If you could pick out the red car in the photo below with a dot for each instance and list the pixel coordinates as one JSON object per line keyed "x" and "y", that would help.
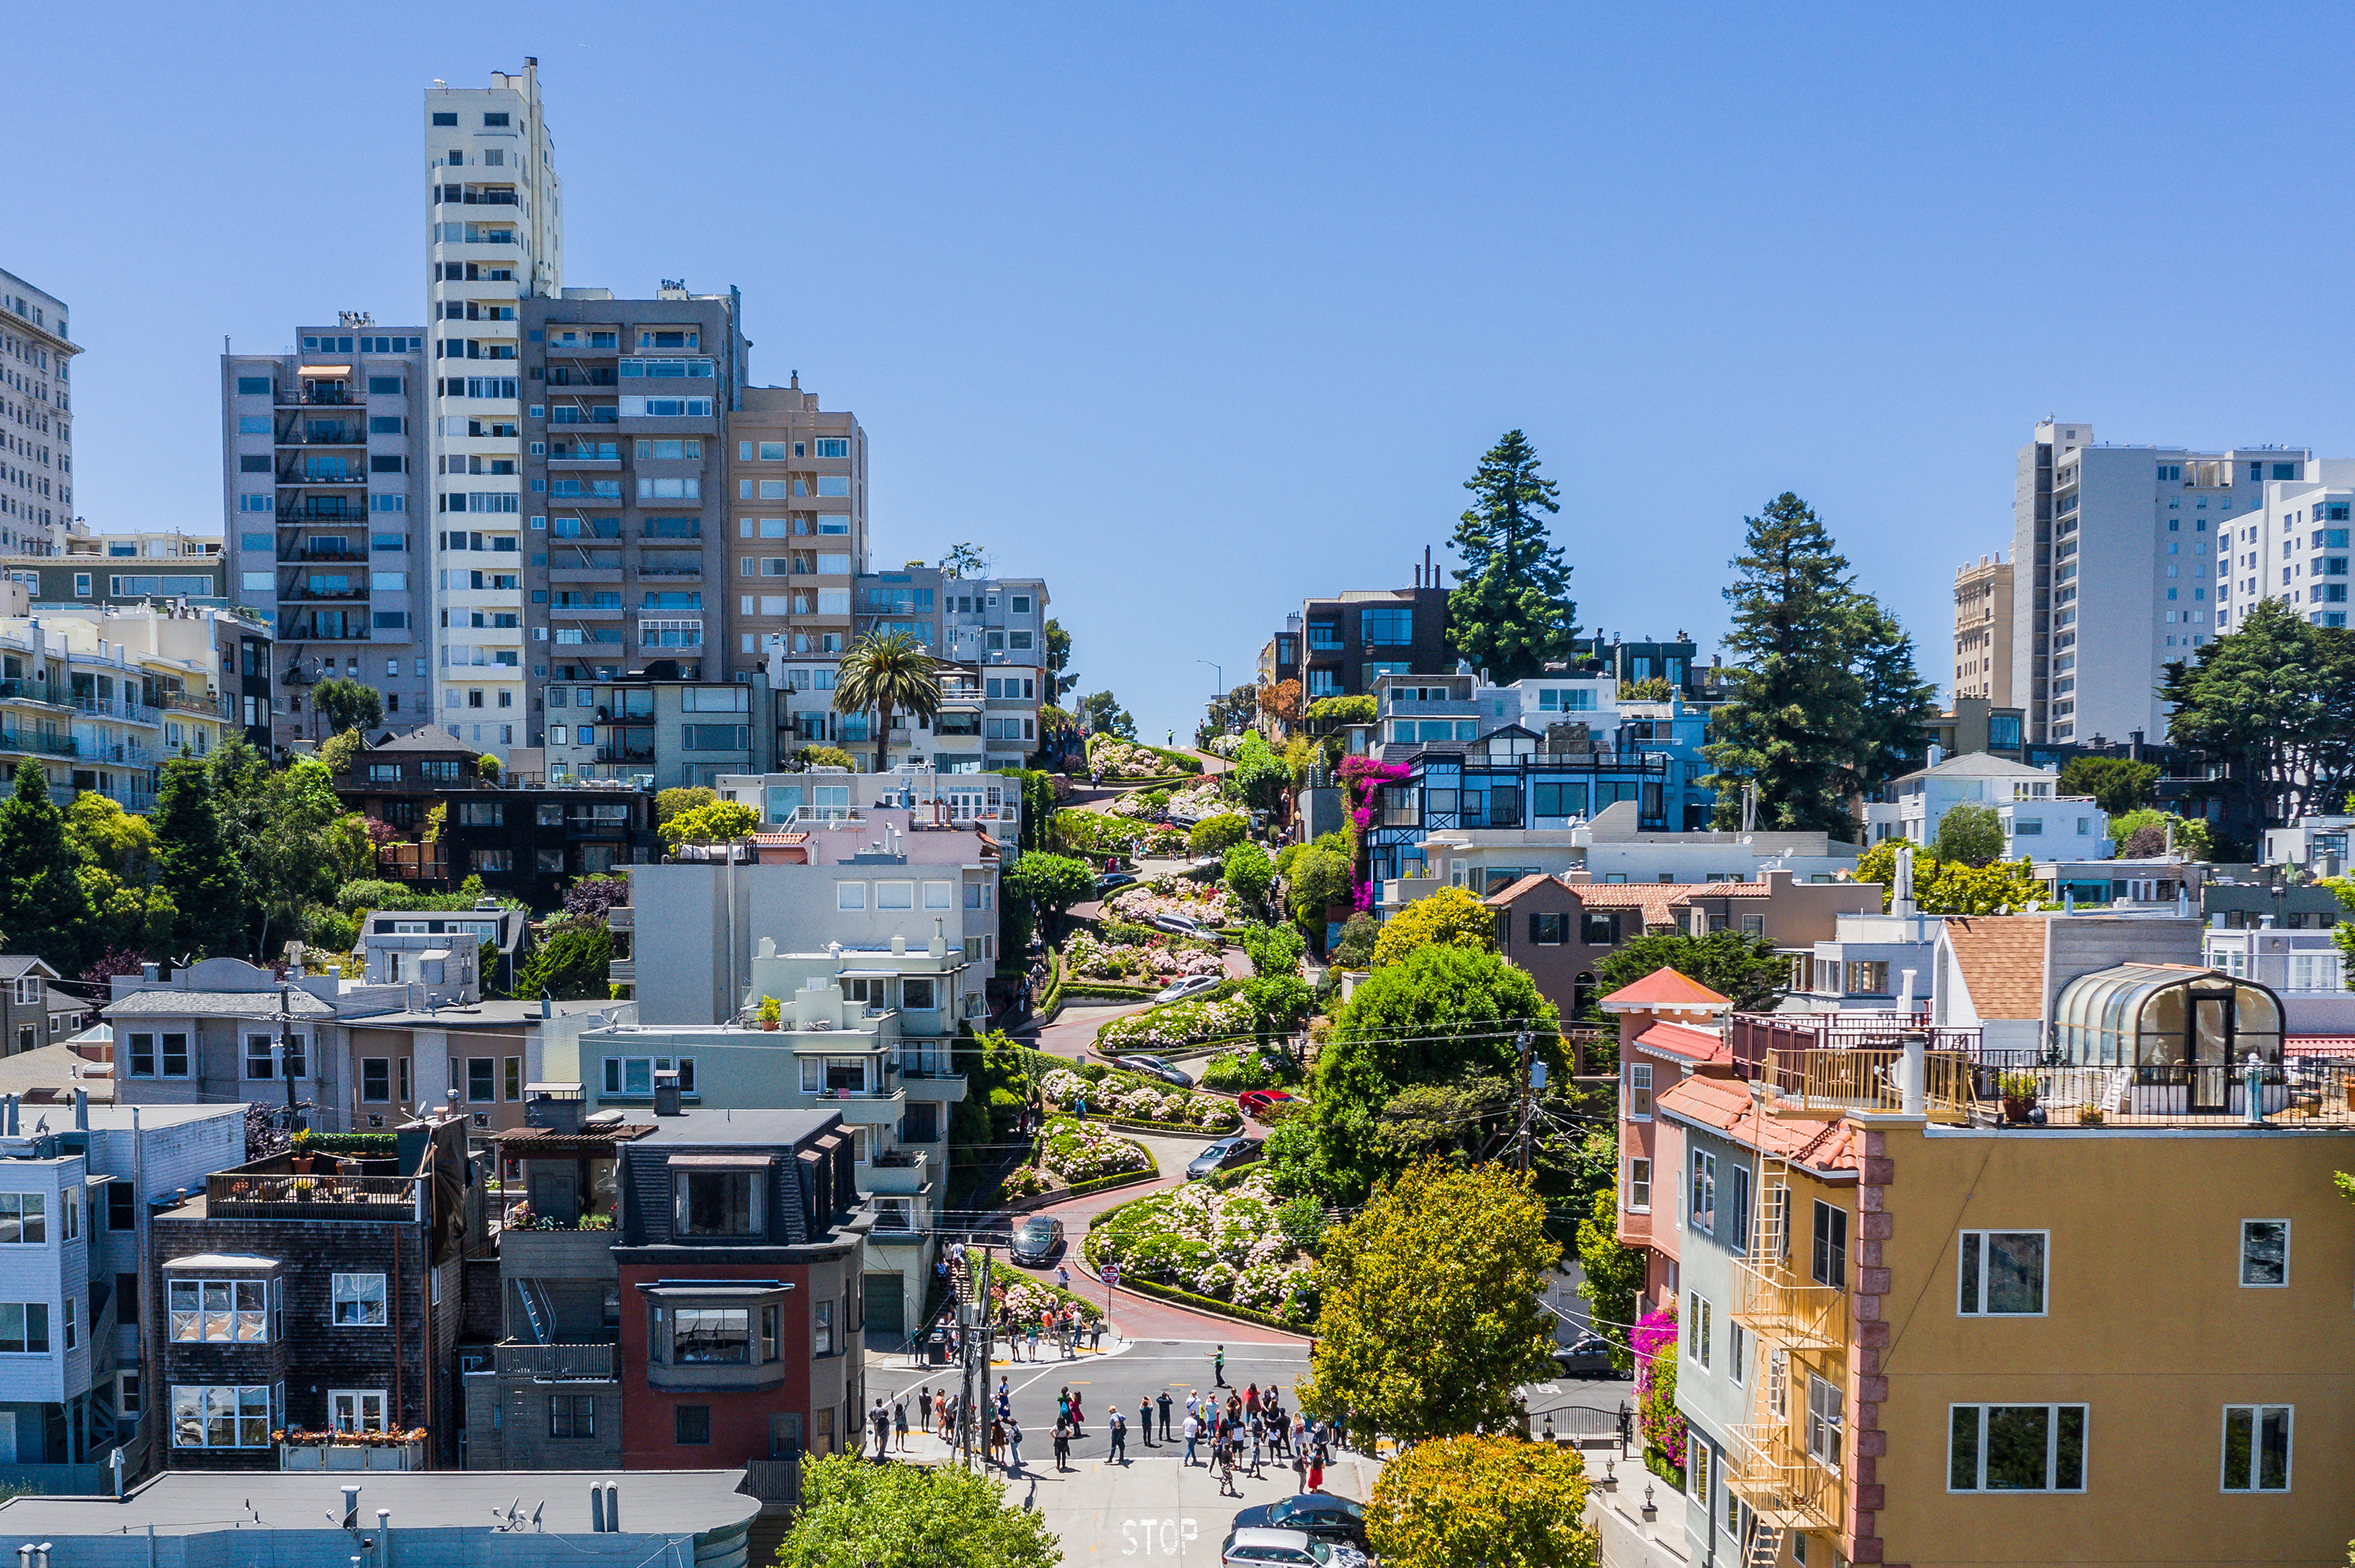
{"x": 1255, "y": 1102}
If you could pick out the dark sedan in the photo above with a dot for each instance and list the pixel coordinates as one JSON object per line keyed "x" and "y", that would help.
{"x": 1112, "y": 880}
{"x": 1223, "y": 1155}
{"x": 1036, "y": 1239}
{"x": 1157, "y": 1069}
{"x": 1325, "y": 1516}
{"x": 1588, "y": 1355}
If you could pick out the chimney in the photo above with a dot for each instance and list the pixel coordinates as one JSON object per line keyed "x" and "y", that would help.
{"x": 666, "y": 1092}
{"x": 9, "y": 1103}
{"x": 81, "y": 1110}
{"x": 150, "y": 972}
{"x": 939, "y": 944}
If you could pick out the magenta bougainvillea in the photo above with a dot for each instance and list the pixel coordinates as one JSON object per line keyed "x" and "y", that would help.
{"x": 1654, "y": 1345}
{"x": 1361, "y": 778}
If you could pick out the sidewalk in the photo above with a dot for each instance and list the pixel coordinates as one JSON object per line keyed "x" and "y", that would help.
{"x": 1628, "y": 1539}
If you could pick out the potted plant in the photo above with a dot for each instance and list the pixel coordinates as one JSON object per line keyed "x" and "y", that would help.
{"x": 2017, "y": 1092}
{"x": 2089, "y": 1115}
{"x": 772, "y": 1011}
{"x": 303, "y": 1158}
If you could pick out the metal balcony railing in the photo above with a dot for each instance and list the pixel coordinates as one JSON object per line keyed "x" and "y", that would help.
{"x": 325, "y": 396}
{"x": 1784, "y": 1484}
{"x": 556, "y": 1363}
{"x": 1777, "y": 1307}
{"x": 268, "y": 1195}
{"x": 35, "y": 741}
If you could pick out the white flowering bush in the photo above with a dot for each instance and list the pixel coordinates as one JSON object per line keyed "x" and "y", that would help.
{"x": 1224, "y": 745}
{"x": 1224, "y": 1244}
{"x": 1176, "y": 1026}
{"x": 1026, "y": 1298}
{"x": 1203, "y": 901}
{"x": 1083, "y": 1152}
{"x": 1109, "y": 757}
{"x": 1197, "y": 801}
{"x": 1144, "y": 963}
{"x": 1125, "y": 1098}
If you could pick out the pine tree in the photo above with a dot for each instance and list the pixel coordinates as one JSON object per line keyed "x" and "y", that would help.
{"x": 44, "y": 908}
{"x": 1890, "y": 737}
{"x": 1513, "y": 610}
{"x": 203, "y": 873}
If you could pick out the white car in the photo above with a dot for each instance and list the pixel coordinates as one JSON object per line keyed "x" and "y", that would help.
{"x": 1287, "y": 1549}
{"x": 1192, "y": 985}
{"x": 1180, "y": 926}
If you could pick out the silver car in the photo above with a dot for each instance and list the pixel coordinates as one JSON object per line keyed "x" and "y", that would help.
{"x": 1192, "y": 985}
{"x": 1288, "y": 1549}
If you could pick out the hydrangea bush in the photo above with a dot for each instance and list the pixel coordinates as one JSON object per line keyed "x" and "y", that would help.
{"x": 1109, "y": 756}
{"x": 1026, "y": 1298}
{"x": 1225, "y": 1244}
{"x": 1176, "y": 1026}
{"x": 1083, "y": 1152}
{"x": 1144, "y": 963}
{"x": 1204, "y": 901}
{"x": 1135, "y": 1099}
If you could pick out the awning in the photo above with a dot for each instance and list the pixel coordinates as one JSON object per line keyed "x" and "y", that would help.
{"x": 720, "y": 1161}
{"x": 326, "y": 370}
{"x": 218, "y": 1260}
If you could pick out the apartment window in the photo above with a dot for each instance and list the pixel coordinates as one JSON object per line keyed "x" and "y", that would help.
{"x": 1699, "y": 1319}
{"x": 358, "y": 1301}
{"x": 217, "y": 1311}
{"x": 1778, "y": 1383}
{"x": 822, "y": 1328}
{"x": 260, "y": 1058}
{"x": 355, "y": 1409}
{"x": 2265, "y": 1253}
{"x": 1639, "y": 1091}
{"x": 481, "y": 1079}
{"x": 1697, "y": 1461}
{"x": 716, "y": 1203}
{"x": 1830, "y": 1260}
{"x": 1702, "y": 1212}
{"x": 2003, "y": 1273}
{"x": 710, "y": 1336}
{"x": 230, "y": 1417}
{"x": 832, "y": 446}
{"x": 572, "y": 1416}
{"x": 121, "y": 1206}
{"x": 636, "y": 1074}
{"x": 769, "y": 1316}
{"x": 1824, "y": 1420}
{"x": 126, "y": 1392}
{"x": 2257, "y": 1447}
{"x": 850, "y": 895}
{"x": 1602, "y": 930}
{"x": 2015, "y": 1448}
{"x": 1737, "y": 1208}
{"x": 692, "y": 1424}
{"x": 23, "y": 1219}
{"x": 1639, "y": 1186}
{"x": 1549, "y": 930}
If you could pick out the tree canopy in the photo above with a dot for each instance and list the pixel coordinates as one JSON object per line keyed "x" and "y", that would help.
{"x": 1955, "y": 888}
{"x": 1100, "y": 712}
{"x": 1611, "y": 1275}
{"x": 859, "y": 1515}
{"x": 570, "y": 966}
{"x": 1512, "y": 611}
{"x": 1825, "y": 703}
{"x": 1463, "y": 1256}
{"x": 670, "y": 803}
{"x": 1749, "y": 969}
{"x": 888, "y": 674}
{"x": 1213, "y": 835}
{"x": 43, "y": 906}
{"x": 1452, "y": 918}
{"x": 719, "y": 821}
{"x": 347, "y": 704}
{"x": 1248, "y": 873}
{"x": 200, "y": 869}
{"x": 1971, "y": 832}
{"x": 1457, "y": 1502}
{"x": 2116, "y": 785}
{"x": 2142, "y": 835}
{"x": 1051, "y": 884}
{"x": 2273, "y": 701}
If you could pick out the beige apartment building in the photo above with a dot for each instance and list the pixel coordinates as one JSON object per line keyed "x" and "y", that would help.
{"x": 1983, "y": 630}
{"x": 797, "y": 535}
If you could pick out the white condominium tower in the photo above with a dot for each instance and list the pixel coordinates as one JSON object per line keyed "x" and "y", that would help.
{"x": 2124, "y": 562}
{"x": 496, "y": 235}
{"x": 36, "y": 419}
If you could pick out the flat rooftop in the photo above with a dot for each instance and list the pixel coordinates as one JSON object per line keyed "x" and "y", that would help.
{"x": 190, "y": 1502}
{"x": 768, "y": 1129}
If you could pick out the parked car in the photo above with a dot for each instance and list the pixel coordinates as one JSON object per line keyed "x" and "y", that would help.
{"x": 1192, "y": 985}
{"x": 1223, "y": 1155}
{"x": 1036, "y": 1241}
{"x": 1288, "y": 1549}
{"x": 1588, "y": 1355}
{"x": 1181, "y": 925}
{"x": 1320, "y": 1514}
{"x": 1111, "y": 880}
{"x": 1256, "y": 1102}
{"x": 1157, "y": 1069}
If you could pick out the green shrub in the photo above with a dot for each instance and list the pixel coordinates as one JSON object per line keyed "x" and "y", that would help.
{"x": 1273, "y": 949}
{"x": 333, "y": 931}
{"x": 1213, "y": 835}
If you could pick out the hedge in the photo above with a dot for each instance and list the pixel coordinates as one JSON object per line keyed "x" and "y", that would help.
{"x": 1176, "y": 1129}
{"x": 1104, "y": 989}
{"x": 368, "y": 1145}
{"x": 1104, "y": 1183}
{"x": 1207, "y": 1304}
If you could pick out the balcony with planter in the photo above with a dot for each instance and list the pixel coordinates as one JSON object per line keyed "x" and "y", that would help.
{"x": 352, "y": 1450}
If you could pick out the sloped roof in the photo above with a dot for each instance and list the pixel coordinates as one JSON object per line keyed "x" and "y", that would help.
{"x": 1663, "y": 988}
{"x": 2002, "y": 960}
{"x": 15, "y": 966}
{"x": 1659, "y": 901}
{"x": 1724, "y": 1105}
{"x": 1685, "y": 1044}
{"x": 426, "y": 737}
{"x": 1504, "y": 896}
{"x": 1977, "y": 764}
{"x": 166, "y": 1002}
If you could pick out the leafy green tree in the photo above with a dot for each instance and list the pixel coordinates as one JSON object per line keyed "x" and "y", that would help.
{"x": 718, "y": 823}
{"x": 1248, "y": 873}
{"x": 2269, "y": 701}
{"x": 1215, "y": 835}
{"x": 2116, "y": 785}
{"x": 1059, "y": 660}
{"x": 1610, "y": 1275}
{"x": 1319, "y": 879}
{"x": 340, "y": 751}
{"x": 571, "y": 966}
{"x": 1100, "y": 712}
{"x": 1279, "y": 1003}
{"x": 859, "y": 1515}
{"x": 129, "y": 907}
{"x": 1462, "y": 1256}
{"x": 1355, "y": 950}
{"x": 1256, "y": 778}
{"x": 670, "y": 803}
{"x": 1972, "y": 833}
{"x": 1823, "y": 706}
{"x": 43, "y": 909}
{"x": 1495, "y": 1498}
{"x": 1331, "y": 713}
{"x": 1451, "y": 917}
{"x": 1748, "y": 970}
{"x": 347, "y": 704}
{"x": 1273, "y": 949}
{"x": 307, "y": 845}
{"x": 821, "y": 756}
{"x": 965, "y": 560}
{"x": 2142, "y": 834}
{"x": 888, "y": 674}
{"x": 1512, "y": 610}
{"x": 1952, "y": 888}
{"x": 1233, "y": 711}
{"x": 1050, "y": 885}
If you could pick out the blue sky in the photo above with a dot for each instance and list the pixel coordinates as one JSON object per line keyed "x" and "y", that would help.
{"x": 1201, "y": 310}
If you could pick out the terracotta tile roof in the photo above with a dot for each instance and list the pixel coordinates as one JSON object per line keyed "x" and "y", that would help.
{"x": 1659, "y": 901}
{"x": 2318, "y": 1045}
{"x": 1663, "y": 988}
{"x": 1685, "y": 1044}
{"x": 2002, "y": 960}
{"x": 1724, "y": 1106}
{"x": 1504, "y": 897}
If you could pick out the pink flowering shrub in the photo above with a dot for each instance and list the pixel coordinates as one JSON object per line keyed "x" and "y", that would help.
{"x": 1654, "y": 1345}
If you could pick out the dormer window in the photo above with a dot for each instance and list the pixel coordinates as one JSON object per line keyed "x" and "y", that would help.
{"x": 716, "y": 1202}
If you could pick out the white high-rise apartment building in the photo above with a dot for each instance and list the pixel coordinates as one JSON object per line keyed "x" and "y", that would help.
{"x": 496, "y": 228}
{"x": 36, "y": 419}
{"x": 2294, "y": 549}
{"x": 2123, "y": 562}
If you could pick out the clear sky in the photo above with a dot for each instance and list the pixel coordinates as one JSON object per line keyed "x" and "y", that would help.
{"x": 1199, "y": 310}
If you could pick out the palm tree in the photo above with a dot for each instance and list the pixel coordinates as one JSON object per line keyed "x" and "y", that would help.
{"x": 888, "y": 674}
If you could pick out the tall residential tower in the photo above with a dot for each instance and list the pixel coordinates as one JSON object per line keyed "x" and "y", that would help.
{"x": 36, "y": 419}
{"x": 495, "y": 229}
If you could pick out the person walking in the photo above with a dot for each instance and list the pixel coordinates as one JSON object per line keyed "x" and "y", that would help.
{"x": 1062, "y": 1444}
{"x": 1145, "y": 1419}
{"x": 1063, "y": 1275}
{"x": 1222, "y": 1462}
{"x": 1193, "y": 1435}
{"x": 1219, "y": 1365}
{"x": 1165, "y": 1401}
{"x": 1258, "y": 1433}
{"x": 1079, "y": 1415}
{"x": 1119, "y": 1455}
{"x": 900, "y": 1421}
{"x": 1315, "y": 1474}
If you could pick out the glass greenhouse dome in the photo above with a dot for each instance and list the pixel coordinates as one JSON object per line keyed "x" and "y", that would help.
{"x": 2185, "y": 1033}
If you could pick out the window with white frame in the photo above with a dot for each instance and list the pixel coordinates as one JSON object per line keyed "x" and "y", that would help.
{"x": 850, "y": 895}
{"x": 1702, "y": 1212}
{"x": 23, "y": 1219}
{"x": 217, "y": 1311}
{"x": 636, "y": 1074}
{"x": 2003, "y": 1274}
{"x": 355, "y": 1409}
{"x": 2015, "y": 1448}
{"x": 2264, "y": 1253}
{"x": 1698, "y": 1323}
{"x": 1639, "y": 1091}
{"x": 1696, "y": 1470}
{"x": 358, "y": 1301}
{"x": 1639, "y": 1186}
{"x": 1736, "y": 1231}
{"x": 1778, "y": 1383}
{"x": 2257, "y": 1447}
{"x": 230, "y": 1417}
{"x": 1823, "y": 1421}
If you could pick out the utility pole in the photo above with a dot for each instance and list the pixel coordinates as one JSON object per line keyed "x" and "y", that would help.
{"x": 1522, "y": 1041}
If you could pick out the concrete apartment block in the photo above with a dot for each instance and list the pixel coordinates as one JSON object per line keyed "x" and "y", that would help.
{"x": 2294, "y": 549}
{"x": 799, "y": 533}
{"x": 1983, "y": 612}
{"x": 324, "y": 504}
{"x": 36, "y": 418}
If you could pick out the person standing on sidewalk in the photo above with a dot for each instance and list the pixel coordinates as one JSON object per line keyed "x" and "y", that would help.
{"x": 1258, "y": 1433}
{"x": 1225, "y": 1468}
{"x": 900, "y": 1421}
{"x": 1119, "y": 1455}
{"x": 1062, "y": 1444}
{"x": 1014, "y": 1448}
